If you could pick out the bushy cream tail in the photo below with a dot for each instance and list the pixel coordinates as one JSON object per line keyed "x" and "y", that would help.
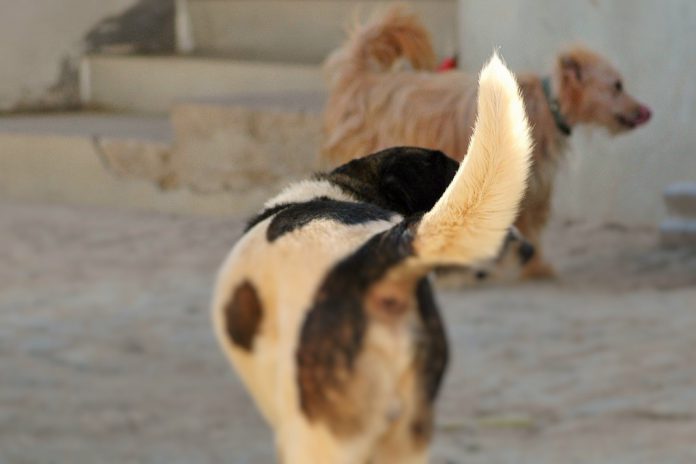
{"x": 469, "y": 221}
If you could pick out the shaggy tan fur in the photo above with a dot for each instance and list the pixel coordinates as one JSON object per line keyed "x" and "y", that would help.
{"x": 372, "y": 106}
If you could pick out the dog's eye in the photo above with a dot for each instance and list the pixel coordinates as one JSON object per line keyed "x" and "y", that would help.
{"x": 618, "y": 87}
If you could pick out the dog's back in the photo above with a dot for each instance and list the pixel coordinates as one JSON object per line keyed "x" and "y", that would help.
{"x": 324, "y": 306}
{"x": 372, "y": 106}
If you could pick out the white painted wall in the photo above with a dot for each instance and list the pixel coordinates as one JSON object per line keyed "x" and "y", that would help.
{"x": 653, "y": 43}
{"x": 299, "y": 31}
{"x": 35, "y": 36}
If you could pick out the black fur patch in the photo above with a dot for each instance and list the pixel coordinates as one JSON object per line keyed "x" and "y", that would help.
{"x": 407, "y": 180}
{"x": 243, "y": 315}
{"x": 432, "y": 349}
{"x": 266, "y": 213}
{"x": 298, "y": 215}
{"x": 332, "y": 335}
{"x": 432, "y": 354}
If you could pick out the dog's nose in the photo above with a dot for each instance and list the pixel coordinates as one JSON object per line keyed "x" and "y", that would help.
{"x": 526, "y": 251}
{"x": 643, "y": 114}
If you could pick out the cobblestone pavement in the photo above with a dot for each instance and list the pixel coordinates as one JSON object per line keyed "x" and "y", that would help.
{"x": 107, "y": 356}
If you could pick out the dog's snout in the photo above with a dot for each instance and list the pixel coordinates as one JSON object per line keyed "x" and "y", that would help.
{"x": 526, "y": 251}
{"x": 643, "y": 114}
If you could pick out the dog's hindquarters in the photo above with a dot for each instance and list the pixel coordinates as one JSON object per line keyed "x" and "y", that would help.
{"x": 373, "y": 301}
{"x": 328, "y": 320}
{"x": 264, "y": 291}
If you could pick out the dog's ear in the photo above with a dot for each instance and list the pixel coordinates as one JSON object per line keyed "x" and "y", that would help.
{"x": 571, "y": 69}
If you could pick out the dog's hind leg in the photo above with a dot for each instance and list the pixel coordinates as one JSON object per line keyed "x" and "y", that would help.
{"x": 411, "y": 456}
{"x": 302, "y": 442}
{"x": 408, "y": 441}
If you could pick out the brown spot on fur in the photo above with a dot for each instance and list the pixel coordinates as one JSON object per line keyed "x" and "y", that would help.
{"x": 243, "y": 315}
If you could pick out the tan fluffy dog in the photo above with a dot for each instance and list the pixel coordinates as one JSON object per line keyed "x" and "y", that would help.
{"x": 374, "y": 104}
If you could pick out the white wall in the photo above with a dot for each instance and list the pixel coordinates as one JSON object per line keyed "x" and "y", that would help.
{"x": 653, "y": 43}
{"x": 35, "y": 37}
{"x": 301, "y": 31}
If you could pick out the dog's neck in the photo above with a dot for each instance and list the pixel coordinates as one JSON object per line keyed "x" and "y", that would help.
{"x": 561, "y": 122}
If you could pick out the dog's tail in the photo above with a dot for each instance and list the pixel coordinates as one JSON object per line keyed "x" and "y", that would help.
{"x": 469, "y": 222}
{"x": 378, "y": 44}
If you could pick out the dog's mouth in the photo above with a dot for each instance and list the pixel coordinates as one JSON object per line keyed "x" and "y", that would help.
{"x": 625, "y": 122}
{"x": 639, "y": 117}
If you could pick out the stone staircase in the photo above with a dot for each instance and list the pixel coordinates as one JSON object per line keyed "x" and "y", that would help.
{"x": 207, "y": 157}
{"x": 216, "y": 128}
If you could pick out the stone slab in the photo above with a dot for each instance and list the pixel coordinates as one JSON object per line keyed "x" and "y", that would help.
{"x": 680, "y": 199}
{"x": 153, "y": 84}
{"x": 678, "y": 232}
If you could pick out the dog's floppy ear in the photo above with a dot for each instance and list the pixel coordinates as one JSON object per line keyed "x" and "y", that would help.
{"x": 571, "y": 69}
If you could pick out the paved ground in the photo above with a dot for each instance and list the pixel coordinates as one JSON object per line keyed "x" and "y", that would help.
{"x": 106, "y": 352}
{"x": 92, "y": 124}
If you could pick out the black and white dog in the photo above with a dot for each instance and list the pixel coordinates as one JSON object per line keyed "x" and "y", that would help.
{"x": 324, "y": 307}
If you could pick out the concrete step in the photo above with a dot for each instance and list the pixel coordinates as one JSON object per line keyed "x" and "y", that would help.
{"x": 680, "y": 199}
{"x": 311, "y": 102}
{"x": 152, "y": 84}
{"x": 678, "y": 232}
{"x": 100, "y": 159}
{"x": 301, "y": 31}
{"x": 86, "y": 124}
{"x": 129, "y": 146}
